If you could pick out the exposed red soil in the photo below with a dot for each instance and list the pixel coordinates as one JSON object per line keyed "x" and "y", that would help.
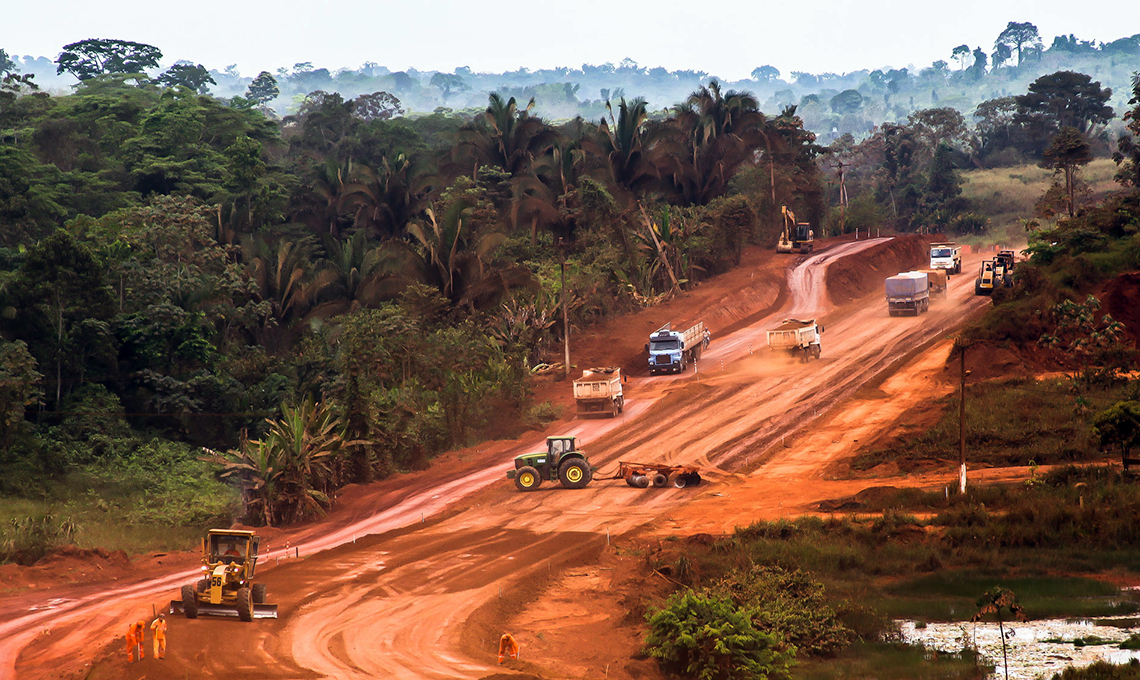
{"x": 1120, "y": 297}
{"x": 407, "y": 597}
{"x": 850, "y": 279}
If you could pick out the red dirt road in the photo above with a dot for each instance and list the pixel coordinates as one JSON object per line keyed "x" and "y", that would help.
{"x": 438, "y": 553}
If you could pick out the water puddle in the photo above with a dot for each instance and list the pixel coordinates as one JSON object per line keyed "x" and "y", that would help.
{"x": 1034, "y": 648}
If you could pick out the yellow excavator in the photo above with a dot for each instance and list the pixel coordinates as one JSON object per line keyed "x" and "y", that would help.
{"x": 229, "y": 557}
{"x": 795, "y": 235}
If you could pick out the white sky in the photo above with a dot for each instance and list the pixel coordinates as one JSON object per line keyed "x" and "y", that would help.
{"x": 727, "y": 38}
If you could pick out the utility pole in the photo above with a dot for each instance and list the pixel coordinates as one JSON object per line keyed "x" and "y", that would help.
{"x": 842, "y": 199}
{"x": 565, "y": 316}
{"x": 962, "y": 420}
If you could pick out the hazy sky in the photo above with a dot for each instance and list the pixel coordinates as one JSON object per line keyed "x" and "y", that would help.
{"x": 727, "y": 38}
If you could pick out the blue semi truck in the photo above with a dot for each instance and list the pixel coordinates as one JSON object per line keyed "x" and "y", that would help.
{"x": 671, "y": 351}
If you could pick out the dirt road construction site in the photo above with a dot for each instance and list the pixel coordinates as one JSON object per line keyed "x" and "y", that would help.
{"x": 418, "y": 576}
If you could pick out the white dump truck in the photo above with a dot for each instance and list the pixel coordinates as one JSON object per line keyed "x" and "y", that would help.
{"x": 908, "y": 293}
{"x": 797, "y": 336}
{"x": 671, "y": 351}
{"x": 598, "y": 392}
{"x": 946, "y": 256}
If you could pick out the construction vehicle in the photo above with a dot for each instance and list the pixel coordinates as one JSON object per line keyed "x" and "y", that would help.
{"x": 671, "y": 351}
{"x": 598, "y": 391}
{"x": 908, "y": 292}
{"x": 947, "y": 256}
{"x": 796, "y": 336}
{"x": 938, "y": 280}
{"x": 560, "y": 461}
{"x": 229, "y": 558}
{"x": 1003, "y": 266}
{"x": 795, "y": 235}
{"x": 987, "y": 276}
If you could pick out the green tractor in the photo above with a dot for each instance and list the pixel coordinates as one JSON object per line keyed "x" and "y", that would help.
{"x": 560, "y": 461}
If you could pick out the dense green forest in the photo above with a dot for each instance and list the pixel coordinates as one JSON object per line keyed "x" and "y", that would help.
{"x": 830, "y": 104}
{"x": 179, "y": 270}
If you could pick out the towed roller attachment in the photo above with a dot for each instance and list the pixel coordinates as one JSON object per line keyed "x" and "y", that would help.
{"x": 260, "y": 611}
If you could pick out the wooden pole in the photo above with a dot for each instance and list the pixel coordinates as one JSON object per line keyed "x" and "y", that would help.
{"x": 962, "y": 422}
{"x": 565, "y": 322}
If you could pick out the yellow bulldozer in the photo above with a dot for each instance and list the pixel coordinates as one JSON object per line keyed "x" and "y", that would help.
{"x": 229, "y": 558}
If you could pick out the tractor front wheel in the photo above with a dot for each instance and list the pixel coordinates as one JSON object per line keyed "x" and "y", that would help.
{"x": 527, "y": 478}
{"x": 574, "y": 474}
{"x": 189, "y": 602}
{"x": 244, "y": 604}
{"x": 258, "y": 592}
{"x": 660, "y": 480}
{"x": 638, "y": 481}
{"x": 203, "y": 585}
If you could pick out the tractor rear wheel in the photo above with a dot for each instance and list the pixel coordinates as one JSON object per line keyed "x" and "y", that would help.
{"x": 574, "y": 474}
{"x": 638, "y": 480}
{"x": 694, "y": 479}
{"x": 189, "y": 602}
{"x": 244, "y": 604}
{"x": 258, "y": 592}
{"x": 660, "y": 480}
{"x": 680, "y": 481}
{"x": 527, "y": 479}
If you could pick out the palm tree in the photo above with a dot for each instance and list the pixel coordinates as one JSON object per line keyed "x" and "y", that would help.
{"x": 257, "y": 468}
{"x": 719, "y": 132}
{"x": 632, "y": 149}
{"x": 318, "y": 202}
{"x": 281, "y": 272}
{"x": 383, "y": 200}
{"x": 457, "y": 262}
{"x": 505, "y": 137}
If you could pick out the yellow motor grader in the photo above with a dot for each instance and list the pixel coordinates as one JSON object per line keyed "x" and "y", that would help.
{"x": 229, "y": 558}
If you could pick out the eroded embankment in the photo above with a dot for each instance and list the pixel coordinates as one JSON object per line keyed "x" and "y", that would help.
{"x": 850, "y": 278}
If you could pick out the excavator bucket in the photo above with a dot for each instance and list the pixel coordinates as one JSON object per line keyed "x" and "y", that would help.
{"x": 260, "y": 611}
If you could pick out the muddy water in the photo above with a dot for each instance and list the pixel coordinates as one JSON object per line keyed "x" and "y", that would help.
{"x": 1031, "y": 646}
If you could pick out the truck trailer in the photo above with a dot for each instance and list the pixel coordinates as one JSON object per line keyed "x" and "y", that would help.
{"x": 598, "y": 392}
{"x": 671, "y": 351}
{"x": 908, "y": 293}
{"x": 796, "y": 336}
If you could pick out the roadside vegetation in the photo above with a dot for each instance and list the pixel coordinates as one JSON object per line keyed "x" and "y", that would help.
{"x": 830, "y": 588}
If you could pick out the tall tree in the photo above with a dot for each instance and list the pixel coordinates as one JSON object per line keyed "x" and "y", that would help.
{"x": 195, "y": 77}
{"x": 263, "y": 89}
{"x": 1127, "y": 154}
{"x": 1062, "y": 99}
{"x": 448, "y": 84}
{"x": 961, "y": 53}
{"x": 1067, "y": 152}
{"x": 1017, "y": 36}
{"x": 95, "y": 57}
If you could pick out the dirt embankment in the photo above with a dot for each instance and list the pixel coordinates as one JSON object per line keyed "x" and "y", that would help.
{"x": 1121, "y": 299}
{"x": 849, "y": 279}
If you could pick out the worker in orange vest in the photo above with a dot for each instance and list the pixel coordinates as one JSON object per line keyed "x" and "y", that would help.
{"x": 508, "y": 648}
{"x": 159, "y": 628}
{"x": 135, "y": 633}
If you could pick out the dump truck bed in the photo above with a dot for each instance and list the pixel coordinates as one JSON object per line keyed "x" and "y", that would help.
{"x": 792, "y": 333}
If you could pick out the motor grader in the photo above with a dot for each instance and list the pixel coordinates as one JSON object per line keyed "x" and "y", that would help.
{"x": 229, "y": 559}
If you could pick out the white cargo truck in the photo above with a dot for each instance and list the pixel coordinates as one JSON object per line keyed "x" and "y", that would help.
{"x": 946, "y": 256}
{"x": 598, "y": 392}
{"x": 797, "y": 336}
{"x": 908, "y": 293}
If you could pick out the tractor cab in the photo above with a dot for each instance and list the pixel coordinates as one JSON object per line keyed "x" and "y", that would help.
{"x": 557, "y": 446}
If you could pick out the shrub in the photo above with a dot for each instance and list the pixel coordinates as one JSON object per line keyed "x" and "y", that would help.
{"x": 704, "y": 636}
{"x": 1102, "y": 670}
{"x": 27, "y": 540}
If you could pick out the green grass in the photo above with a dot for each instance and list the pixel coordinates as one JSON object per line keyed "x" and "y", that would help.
{"x": 1006, "y": 195}
{"x": 891, "y": 661}
{"x": 143, "y": 496}
{"x": 1012, "y": 422}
